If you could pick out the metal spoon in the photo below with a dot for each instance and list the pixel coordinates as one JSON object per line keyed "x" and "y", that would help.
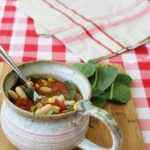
{"x": 12, "y": 64}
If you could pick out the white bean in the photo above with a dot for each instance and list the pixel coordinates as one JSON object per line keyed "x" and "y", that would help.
{"x": 20, "y": 92}
{"x": 60, "y": 98}
{"x": 13, "y": 94}
{"x": 67, "y": 102}
{"x": 44, "y": 109}
{"x": 45, "y": 89}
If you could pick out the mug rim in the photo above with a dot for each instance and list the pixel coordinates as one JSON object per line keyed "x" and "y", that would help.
{"x": 37, "y": 116}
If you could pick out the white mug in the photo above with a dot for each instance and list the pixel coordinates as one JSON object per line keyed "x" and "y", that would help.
{"x": 65, "y": 131}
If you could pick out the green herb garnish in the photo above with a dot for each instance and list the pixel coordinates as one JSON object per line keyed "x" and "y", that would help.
{"x": 29, "y": 92}
{"x": 72, "y": 89}
{"x": 70, "y": 108}
{"x": 50, "y": 112}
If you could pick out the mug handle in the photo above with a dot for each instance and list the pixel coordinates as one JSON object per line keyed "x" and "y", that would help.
{"x": 107, "y": 119}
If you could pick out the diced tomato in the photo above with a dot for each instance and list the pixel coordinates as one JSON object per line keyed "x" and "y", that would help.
{"x": 59, "y": 88}
{"x": 60, "y": 104}
{"x": 24, "y": 103}
{"x": 78, "y": 99}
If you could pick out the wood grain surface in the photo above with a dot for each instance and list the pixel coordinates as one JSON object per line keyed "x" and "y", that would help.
{"x": 124, "y": 114}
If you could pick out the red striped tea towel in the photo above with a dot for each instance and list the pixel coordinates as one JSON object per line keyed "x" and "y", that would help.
{"x": 92, "y": 29}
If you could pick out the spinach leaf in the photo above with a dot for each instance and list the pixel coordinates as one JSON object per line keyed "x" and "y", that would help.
{"x": 87, "y": 69}
{"x": 29, "y": 92}
{"x": 106, "y": 76}
{"x": 94, "y": 77}
{"x": 107, "y": 83}
{"x": 124, "y": 79}
{"x": 120, "y": 93}
{"x": 98, "y": 102}
{"x": 101, "y": 99}
{"x": 72, "y": 89}
{"x": 96, "y": 92}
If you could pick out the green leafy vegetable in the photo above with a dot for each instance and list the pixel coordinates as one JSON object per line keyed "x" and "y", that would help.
{"x": 106, "y": 76}
{"x": 72, "y": 89}
{"x": 120, "y": 93}
{"x": 97, "y": 101}
{"x": 50, "y": 112}
{"x": 124, "y": 79}
{"x": 96, "y": 92}
{"x": 101, "y": 99}
{"x": 29, "y": 92}
{"x": 93, "y": 79}
{"x": 107, "y": 83}
{"x": 87, "y": 69}
{"x": 70, "y": 108}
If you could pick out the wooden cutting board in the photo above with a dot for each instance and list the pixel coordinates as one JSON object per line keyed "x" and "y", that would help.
{"x": 124, "y": 114}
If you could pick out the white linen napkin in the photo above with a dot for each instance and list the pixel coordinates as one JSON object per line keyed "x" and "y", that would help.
{"x": 92, "y": 29}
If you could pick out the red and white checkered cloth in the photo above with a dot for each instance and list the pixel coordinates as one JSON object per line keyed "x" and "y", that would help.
{"x": 18, "y": 37}
{"x": 82, "y": 27}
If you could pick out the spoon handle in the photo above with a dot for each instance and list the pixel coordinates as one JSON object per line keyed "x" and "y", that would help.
{"x": 10, "y": 62}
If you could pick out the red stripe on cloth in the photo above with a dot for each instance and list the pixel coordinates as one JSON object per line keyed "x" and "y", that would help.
{"x": 78, "y": 24}
{"x": 31, "y": 33}
{"x": 58, "y": 51}
{"x": 6, "y": 34}
{"x": 144, "y": 64}
{"x": 104, "y": 27}
{"x": 141, "y": 50}
{"x": 147, "y": 146}
{"x": 57, "y": 42}
{"x": 140, "y": 102}
{"x": 128, "y": 19}
{"x": 148, "y": 99}
{"x": 117, "y": 59}
{"x": 137, "y": 82}
{"x": 93, "y": 23}
{"x": 146, "y": 82}
{"x": 10, "y": 3}
{"x": 145, "y": 124}
{"x": 8, "y": 20}
{"x": 147, "y": 91}
{"x": 113, "y": 24}
{"x": 10, "y": 8}
{"x": 30, "y": 49}
{"x": 121, "y": 12}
